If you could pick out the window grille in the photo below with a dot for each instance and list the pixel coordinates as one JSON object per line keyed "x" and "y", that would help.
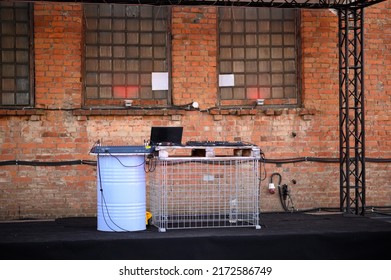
{"x": 124, "y": 44}
{"x": 15, "y": 55}
{"x": 259, "y": 46}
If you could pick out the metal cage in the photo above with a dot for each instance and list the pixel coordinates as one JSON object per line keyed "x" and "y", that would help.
{"x": 205, "y": 192}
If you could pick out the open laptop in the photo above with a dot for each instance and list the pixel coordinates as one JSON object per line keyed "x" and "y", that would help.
{"x": 166, "y": 136}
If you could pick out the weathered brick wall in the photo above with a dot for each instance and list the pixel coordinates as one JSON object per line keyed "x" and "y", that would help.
{"x": 194, "y": 55}
{"x": 378, "y": 101}
{"x": 55, "y": 134}
{"x": 58, "y": 47}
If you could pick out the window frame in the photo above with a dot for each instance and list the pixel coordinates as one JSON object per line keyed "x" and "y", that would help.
{"x": 31, "y": 67}
{"x": 270, "y": 102}
{"x": 140, "y": 101}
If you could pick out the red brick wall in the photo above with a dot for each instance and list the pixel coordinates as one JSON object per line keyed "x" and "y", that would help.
{"x": 57, "y": 135}
{"x": 58, "y": 46}
{"x": 194, "y": 55}
{"x": 378, "y": 101}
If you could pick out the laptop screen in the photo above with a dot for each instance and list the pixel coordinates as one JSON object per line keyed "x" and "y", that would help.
{"x": 170, "y": 136}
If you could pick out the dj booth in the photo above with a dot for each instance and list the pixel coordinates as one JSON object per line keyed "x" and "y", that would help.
{"x": 197, "y": 185}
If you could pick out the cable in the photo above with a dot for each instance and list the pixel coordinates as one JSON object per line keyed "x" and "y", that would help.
{"x": 264, "y": 160}
{"x": 371, "y": 209}
{"x": 315, "y": 209}
{"x": 379, "y": 160}
{"x": 284, "y": 193}
{"x": 279, "y": 178}
{"x": 262, "y": 166}
{"x": 381, "y": 210}
{"x": 120, "y": 162}
{"x": 47, "y": 163}
{"x": 150, "y": 162}
{"x": 322, "y": 160}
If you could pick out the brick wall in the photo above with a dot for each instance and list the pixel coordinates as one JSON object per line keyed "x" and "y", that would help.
{"x": 194, "y": 55}
{"x": 58, "y": 47}
{"x": 56, "y": 133}
{"x": 378, "y": 101}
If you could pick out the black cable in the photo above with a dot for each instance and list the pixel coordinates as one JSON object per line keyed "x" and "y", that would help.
{"x": 279, "y": 178}
{"x": 282, "y": 200}
{"x": 302, "y": 159}
{"x": 213, "y": 162}
{"x": 315, "y": 209}
{"x": 318, "y": 209}
{"x": 280, "y": 191}
{"x": 381, "y": 213}
{"x": 262, "y": 166}
{"x": 380, "y": 207}
{"x": 283, "y": 192}
{"x": 150, "y": 162}
{"x": 381, "y": 210}
{"x": 324, "y": 160}
{"x": 378, "y": 160}
{"x": 290, "y": 205}
{"x": 120, "y": 162}
{"x": 186, "y": 107}
{"x": 371, "y": 209}
{"x": 46, "y": 163}
{"x": 265, "y": 160}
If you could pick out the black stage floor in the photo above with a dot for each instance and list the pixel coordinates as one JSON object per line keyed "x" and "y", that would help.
{"x": 284, "y": 236}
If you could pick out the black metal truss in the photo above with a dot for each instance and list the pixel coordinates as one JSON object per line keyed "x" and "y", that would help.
{"x": 352, "y": 121}
{"x": 307, "y": 4}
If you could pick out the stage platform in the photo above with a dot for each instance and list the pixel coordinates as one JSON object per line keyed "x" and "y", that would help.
{"x": 284, "y": 236}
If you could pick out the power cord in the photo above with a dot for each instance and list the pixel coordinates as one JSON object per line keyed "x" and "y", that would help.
{"x": 284, "y": 193}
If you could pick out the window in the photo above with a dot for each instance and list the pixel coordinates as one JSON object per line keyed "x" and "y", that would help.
{"x": 259, "y": 46}
{"x": 124, "y": 45}
{"x": 16, "y": 88}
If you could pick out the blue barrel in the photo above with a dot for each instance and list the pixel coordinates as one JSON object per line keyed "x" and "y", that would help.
{"x": 121, "y": 193}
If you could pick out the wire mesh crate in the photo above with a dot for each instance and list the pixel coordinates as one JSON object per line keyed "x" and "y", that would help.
{"x": 194, "y": 192}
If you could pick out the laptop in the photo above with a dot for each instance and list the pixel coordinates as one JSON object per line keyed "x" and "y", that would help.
{"x": 166, "y": 136}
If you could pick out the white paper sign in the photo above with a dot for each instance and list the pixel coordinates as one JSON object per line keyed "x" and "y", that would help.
{"x": 226, "y": 80}
{"x": 159, "y": 80}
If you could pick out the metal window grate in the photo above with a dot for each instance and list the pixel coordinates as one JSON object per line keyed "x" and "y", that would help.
{"x": 259, "y": 46}
{"x": 15, "y": 54}
{"x": 124, "y": 44}
{"x": 205, "y": 193}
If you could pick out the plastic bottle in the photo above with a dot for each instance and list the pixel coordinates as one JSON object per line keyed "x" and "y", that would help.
{"x": 233, "y": 211}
